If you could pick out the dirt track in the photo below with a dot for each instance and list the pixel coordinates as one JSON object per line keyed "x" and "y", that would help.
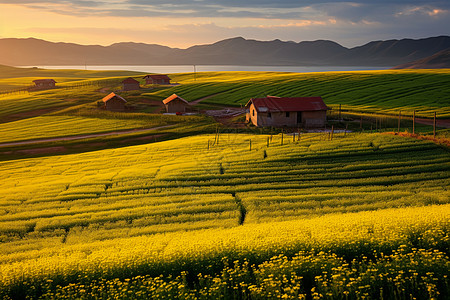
{"x": 439, "y": 123}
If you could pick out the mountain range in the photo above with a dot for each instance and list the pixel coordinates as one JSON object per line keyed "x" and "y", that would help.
{"x": 234, "y": 51}
{"x": 439, "y": 60}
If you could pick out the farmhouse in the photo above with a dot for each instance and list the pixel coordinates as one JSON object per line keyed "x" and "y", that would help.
{"x": 175, "y": 104}
{"x": 303, "y": 112}
{"x": 114, "y": 102}
{"x": 130, "y": 84}
{"x": 44, "y": 83}
{"x": 157, "y": 79}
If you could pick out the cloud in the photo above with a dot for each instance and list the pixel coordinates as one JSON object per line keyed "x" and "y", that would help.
{"x": 264, "y": 9}
{"x": 188, "y": 22}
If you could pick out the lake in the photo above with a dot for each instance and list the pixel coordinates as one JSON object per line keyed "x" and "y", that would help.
{"x": 212, "y": 68}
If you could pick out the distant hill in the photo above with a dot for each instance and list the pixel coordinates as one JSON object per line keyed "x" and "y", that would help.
{"x": 439, "y": 60}
{"x": 234, "y": 51}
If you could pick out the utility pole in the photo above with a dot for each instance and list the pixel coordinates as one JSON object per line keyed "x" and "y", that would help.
{"x": 195, "y": 73}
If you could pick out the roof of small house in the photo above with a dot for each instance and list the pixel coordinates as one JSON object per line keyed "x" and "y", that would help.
{"x": 284, "y": 104}
{"x": 113, "y": 95}
{"x": 44, "y": 81}
{"x": 173, "y": 97}
{"x": 157, "y": 76}
{"x": 130, "y": 80}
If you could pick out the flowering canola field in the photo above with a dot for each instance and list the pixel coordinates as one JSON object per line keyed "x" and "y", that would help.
{"x": 362, "y": 216}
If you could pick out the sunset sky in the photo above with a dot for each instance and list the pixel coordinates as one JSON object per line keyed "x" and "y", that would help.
{"x": 184, "y": 23}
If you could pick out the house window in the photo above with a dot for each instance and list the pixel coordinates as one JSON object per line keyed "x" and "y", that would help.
{"x": 287, "y": 114}
{"x": 269, "y": 115}
{"x": 253, "y": 112}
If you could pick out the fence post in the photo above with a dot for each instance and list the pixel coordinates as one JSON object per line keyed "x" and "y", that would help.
{"x": 217, "y": 136}
{"x": 360, "y": 124}
{"x": 281, "y": 137}
{"x": 434, "y": 126}
{"x": 414, "y": 121}
{"x": 250, "y": 144}
{"x": 332, "y": 132}
{"x": 339, "y": 118}
{"x": 399, "y": 118}
{"x": 267, "y": 142}
{"x": 293, "y": 137}
{"x": 208, "y": 144}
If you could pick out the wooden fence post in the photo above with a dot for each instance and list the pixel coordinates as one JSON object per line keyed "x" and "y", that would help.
{"x": 434, "y": 126}
{"x": 250, "y": 144}
{"x": 399, "y": 118}
{"x": 208, "y": 144}
{"x": 281, "y": 137}
{"x": 414, "y": 121}
{"x": 339, "y": 118}
{"x": 332, "y": 132}
{"x": 360, "y": 124}
{"x": 293, "y": 137}
{"x": 267, "y": 142}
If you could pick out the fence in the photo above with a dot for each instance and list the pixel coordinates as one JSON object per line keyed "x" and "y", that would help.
{"x": 385, "y": 121}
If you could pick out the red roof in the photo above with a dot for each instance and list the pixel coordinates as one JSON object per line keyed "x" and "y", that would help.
{"x": 130, "y": 80}
{"x": 157, "y": 76}
{"x": 173, "y": 97}
{"x": 112, "y": 95}
{"x": 282, "y": 104}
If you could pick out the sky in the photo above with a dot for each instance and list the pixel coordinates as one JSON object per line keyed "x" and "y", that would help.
{"x": 184, "y": 23}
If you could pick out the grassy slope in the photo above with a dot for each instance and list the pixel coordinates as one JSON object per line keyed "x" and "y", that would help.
{"x": 16, "y": 103}
{"x": 386, "y": 91}
{"x": 374, "y": 91}
{"x": 66, "y": 204}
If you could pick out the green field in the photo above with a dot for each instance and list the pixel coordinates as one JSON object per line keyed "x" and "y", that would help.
{"x": 169, "y": 204}
{"x": 258, "y": 214}
{"x": 385, "y": 91}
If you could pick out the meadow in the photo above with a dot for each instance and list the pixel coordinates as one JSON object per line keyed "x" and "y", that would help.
{"x": 207, "y": 216}
{"x": 386, "y": 91}
{"x": 74, "y": 87}
{"x": 253, "y": 215}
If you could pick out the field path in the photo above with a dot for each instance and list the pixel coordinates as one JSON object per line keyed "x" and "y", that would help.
{"x": 201, "y": 99}
{"x": 439, "y": 122}
{"x": 79, "y": 137}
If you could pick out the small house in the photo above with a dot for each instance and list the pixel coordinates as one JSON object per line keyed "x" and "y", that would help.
{"x": 44, "y": 83}
{"x": 305, "y": 112}
{"x": 157, "y": 79}
{"x": 130, "y": 84}
{"x": 175, "y": 104}
{"x": 114, "y": 102}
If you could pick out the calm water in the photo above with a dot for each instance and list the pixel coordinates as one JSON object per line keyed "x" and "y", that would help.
{"x": 207, "y": 68}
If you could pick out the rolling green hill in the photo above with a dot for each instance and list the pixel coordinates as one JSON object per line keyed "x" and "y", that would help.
{"x": 386, "y": 91}
{"x": 224, "y": 216}
{"x": 122, "y": 217}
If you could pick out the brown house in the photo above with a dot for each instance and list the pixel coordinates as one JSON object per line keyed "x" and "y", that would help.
{"x": 114, "y": 102}
{"x": 130, "y": 84}
{"x": 44, "y": 83}
{"x": 157, "y": 79}
{"x": 303, "y": 112}
{"x": 175, "y": 104}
